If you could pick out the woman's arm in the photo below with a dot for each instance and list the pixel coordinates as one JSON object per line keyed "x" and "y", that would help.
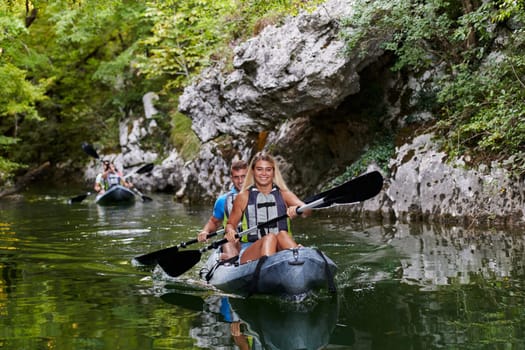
{"x": 293, "y": 202}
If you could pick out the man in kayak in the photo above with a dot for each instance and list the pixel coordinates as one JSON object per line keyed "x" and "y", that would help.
{"x": 264, "y": 196}
{"x": 109, "y": 177}
{"x": 222, "y": 209}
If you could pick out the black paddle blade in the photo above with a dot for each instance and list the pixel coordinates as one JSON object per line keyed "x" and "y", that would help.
{"x": 146, "y": 199}
{"x": 176, "y": 264}
{"x": 145, "y": 169}
{"x": 356, "y": 190}
{"x": 151, "y": 258}
{"x": 90, "y": 150}
{"x": 79, "y": 198}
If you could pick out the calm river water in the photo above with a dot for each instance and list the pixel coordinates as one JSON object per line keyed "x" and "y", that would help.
{"x": 67, "y": 283}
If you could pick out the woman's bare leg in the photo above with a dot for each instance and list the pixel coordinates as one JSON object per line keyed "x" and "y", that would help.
{"x": 285, "y": 241}
{"x": 230, "y": 249}
{"x": 264, "y": 246}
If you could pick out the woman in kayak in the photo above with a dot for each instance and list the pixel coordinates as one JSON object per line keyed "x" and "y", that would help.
{"x": 264, "y": 196}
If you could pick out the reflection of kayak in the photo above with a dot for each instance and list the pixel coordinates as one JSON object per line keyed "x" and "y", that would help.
{"x": 116, "y": 195}
{"x": 283, "y": 327}
{"x": 272, "y": 323}
{"x": 289, "y": 272}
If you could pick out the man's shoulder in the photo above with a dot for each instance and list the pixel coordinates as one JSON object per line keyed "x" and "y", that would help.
{"x": 223, "y": 196}
{"x": 226, "y": 194}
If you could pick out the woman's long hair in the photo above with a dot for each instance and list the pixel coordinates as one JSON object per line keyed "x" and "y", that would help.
{"x": 277, "y": 177}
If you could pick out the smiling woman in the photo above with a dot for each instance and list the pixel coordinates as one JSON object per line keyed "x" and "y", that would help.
{"x": 264, "y": 196}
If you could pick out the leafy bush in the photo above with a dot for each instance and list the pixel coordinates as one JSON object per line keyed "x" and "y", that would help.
{"x": 481, "y": 94}
{"x": 379, "y": 153}
{"x": 184, "y": 139}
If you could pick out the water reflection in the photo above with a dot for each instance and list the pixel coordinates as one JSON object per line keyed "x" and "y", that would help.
{"x": 433, "y": 257}
{"x": 261, "y": 323}
{"x": 435, "y": 287}
{"x": 66, "y": 282}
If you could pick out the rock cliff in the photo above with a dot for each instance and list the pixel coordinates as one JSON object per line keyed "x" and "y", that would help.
{"x": 292, "y": 92}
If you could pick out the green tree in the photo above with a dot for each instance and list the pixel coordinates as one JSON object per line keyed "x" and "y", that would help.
{"x": 18, "y": 94}
{"x": 77, "y": 55}
{"x": 78, "y": 67}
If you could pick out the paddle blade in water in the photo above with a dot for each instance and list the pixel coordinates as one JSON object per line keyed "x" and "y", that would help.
{"x": 79, "y": 198}
{"x": 176, "y": 264}
{"x": 151, "y": 258}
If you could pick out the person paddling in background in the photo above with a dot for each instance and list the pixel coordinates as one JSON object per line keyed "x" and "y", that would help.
{"x": 264, "y": 196}
{"x": 222, "y": 209}
{"x": 109, "y": 177}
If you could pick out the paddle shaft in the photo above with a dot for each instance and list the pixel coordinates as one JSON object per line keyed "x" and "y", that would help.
{"x": 151, "y": 258}
{"x": 144, "y": 197}
{"x": 195, "y": 240}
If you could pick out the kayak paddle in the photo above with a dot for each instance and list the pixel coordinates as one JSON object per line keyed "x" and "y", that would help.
{"x": 79, "y": 198}
{"x": 143, "y": 196}
{"x": 143, "y": 169}
{"x": 86, "y": 147}
{"x": 151, "y": 258}
{"x": 356, "y": 190}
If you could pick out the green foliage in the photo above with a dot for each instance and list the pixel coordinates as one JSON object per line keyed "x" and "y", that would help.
{"x": 480, "y": 98}
{"x": 508, "y": 8}
{"x": 188, "y": 35}
{"x": 76, "y": 54}
{"x": 184, "y": 139}
{"x": 7, "y": 167}
{"x": 420, "y": 34}
{"x": 18, "y": 96}
{"x": 184, "y": 34}
{"x": 71, "y": 70}
{"x": 379, "y": 153}
{"x": 485, "y": 110}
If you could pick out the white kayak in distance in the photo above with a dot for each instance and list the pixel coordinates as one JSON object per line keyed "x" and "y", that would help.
{"x": 116, "y": 195}
{"x": 289, "y": 273}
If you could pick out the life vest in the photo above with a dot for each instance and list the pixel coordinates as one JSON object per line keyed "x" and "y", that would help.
{"x": 113, "y": 179}
{"x": 262, "y": 208}
{"x": 228, "y": 205}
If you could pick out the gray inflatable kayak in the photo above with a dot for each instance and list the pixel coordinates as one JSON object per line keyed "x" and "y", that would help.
{"x": 291, "y": 272}
{"x": 116, "y": 195}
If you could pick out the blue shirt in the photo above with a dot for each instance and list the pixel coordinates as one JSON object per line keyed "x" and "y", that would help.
{"x": 218, "y": 208}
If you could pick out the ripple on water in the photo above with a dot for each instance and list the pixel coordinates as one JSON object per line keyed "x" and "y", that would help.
{"x": 117, "y": 232}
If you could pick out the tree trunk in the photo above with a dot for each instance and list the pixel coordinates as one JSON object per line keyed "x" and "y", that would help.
{"x": 468, "y": 7}
{"x": 25, "y": 180}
